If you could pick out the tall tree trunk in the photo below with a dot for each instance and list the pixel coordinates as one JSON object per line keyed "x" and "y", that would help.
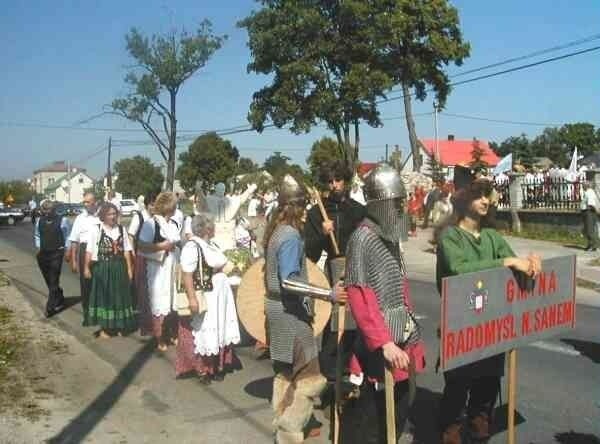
{"x": 348, "y": 147}
{"x": 410, "y": 125}
{"x": 172, "y": 144}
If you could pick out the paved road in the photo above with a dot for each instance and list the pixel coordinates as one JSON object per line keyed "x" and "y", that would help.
{"x": 559, "y": 379}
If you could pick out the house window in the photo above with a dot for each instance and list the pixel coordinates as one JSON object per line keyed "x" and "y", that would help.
{"x": 81, "y": 180}
{"x": 50, "y": 180}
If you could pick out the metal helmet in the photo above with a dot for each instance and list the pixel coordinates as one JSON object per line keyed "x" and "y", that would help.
{"x": 383, "y": 182}
{"x": 385, "y": 195}
{"x": 291, "y": 192}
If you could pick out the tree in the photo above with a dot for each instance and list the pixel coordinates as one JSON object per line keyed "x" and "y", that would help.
{"x": 477, "y": 153}
{"x": 520, "y": 147}
{"x": 97, "y": 189}
{"x": 321, "y": 68}
{"x": 162, "y": 65}
{"x": 333, "y": 61}
{"x": 322, "y": 152}
{"x": 581, "y": 135}
{"x": 210, "y": 159}
{"x": 246, "y": 166}
{"x": 436, "y": 169}
{"x": 277, "y": 165}
{"x": 19, "y": 190}
{"x": 138, "y": 175}
{"x": 416, "y": 40}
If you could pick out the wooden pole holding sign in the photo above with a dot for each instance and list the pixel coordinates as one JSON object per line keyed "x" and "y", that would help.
{"x": 512, "y": 394}
{"x": 339, "y": 364}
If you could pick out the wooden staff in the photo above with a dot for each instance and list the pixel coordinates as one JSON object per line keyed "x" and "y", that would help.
{"x": 339, "y": 370}
{"x": 317, "y": 197}
{"x": 512, "y": 394}
{"x": 390, "y": 408}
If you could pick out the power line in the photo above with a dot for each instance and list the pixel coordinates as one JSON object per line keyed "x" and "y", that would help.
{"x": 248, "y": 128}
{"x": 530, "y": 55}
{"x": 506, "y": 71}
{"x": 511, "y": 122}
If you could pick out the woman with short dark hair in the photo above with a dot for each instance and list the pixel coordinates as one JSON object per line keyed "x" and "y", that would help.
{"x": 109, "y": 265}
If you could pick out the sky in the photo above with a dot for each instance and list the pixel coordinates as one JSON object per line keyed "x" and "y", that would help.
{"x": 64, "y": 60}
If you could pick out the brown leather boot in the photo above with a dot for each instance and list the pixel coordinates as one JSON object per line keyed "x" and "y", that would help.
{"x": 480, "y": 427}
{"x": 452, "y": 434}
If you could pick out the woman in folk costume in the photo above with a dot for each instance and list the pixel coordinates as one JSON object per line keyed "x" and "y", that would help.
{"x": 109, "y": 265}
{"x": 289, "y": 310}
{"x": 465, "y": 245}
{"x": 158, "y": 243}
{"x": 206, "y": 339}
{"x": 388, "y": 334}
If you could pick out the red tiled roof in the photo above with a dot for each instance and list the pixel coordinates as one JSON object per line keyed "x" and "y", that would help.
{"x": 458, "y": 152}
{"x": 59, "y": 166}
{"x": 365, "y": 167}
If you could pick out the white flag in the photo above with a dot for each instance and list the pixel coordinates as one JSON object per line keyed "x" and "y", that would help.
{"x": 505, "y": 164}
{"x": 573, "y": 166}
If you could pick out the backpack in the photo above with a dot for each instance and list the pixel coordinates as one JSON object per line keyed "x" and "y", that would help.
{"x": 139, "y": 228}
{"x": 51, "y": 235}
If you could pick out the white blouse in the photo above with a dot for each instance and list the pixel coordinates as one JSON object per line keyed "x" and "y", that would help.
{"x": 113, "y": 233}
{"x": 213, "y": 256}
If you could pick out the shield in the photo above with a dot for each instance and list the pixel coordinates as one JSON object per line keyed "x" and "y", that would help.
{"x": 251, "y": 296}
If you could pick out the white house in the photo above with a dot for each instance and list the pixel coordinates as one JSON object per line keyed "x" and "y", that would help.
{"x": 69, "y": 188}
{"x": 48, "y": 174}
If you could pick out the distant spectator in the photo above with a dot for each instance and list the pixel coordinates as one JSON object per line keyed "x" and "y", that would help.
{"x": 589, "y": 205}
{"x": 51, "y": 237}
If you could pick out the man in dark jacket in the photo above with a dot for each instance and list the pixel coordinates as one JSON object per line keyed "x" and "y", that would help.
{"x": 51, "y": 234}
{"x": 344, "y": 216}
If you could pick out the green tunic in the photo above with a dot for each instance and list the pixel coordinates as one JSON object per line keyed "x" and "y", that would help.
{"x": 460, "y": 252}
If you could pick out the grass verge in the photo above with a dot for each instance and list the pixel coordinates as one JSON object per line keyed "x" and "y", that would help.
{"x": 17, "y": 378}
{"x": 560, "y": 236}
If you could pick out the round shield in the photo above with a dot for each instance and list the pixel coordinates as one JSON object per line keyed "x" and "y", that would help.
{"x": 251, "y": 296}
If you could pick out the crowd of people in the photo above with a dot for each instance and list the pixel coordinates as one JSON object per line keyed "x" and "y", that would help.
{"x": 133, "y": 278}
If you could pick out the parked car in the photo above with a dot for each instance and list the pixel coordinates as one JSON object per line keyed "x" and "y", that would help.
{"x": 128, "y": 206}
{"x": 67, "y": 209}
{"x": 11, "y": 215}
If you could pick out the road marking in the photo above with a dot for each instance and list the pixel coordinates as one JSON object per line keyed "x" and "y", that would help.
{"x": 548, "y": 346}
{"x": 418, "y": 317}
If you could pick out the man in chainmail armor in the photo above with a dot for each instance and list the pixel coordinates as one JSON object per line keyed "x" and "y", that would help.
{"x": 388, "y": 334}
{"x": 289, "y": 309}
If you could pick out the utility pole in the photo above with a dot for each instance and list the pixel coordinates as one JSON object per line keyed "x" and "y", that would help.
{"x": 435, "y": 129}
{"x": 108, "y": 172}
{"x": 69, "y": 166}
{"x": 386, "y": 153}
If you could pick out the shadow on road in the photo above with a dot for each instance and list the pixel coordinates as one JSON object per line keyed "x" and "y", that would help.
{"x": 424, "y": 415}
{"x": 85, "y": 422}
{"x": 588, "y": 349}
{"x": 71, "y": 301}
{"x": 261, "y": 388}
{"x": 576, "y": 438}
